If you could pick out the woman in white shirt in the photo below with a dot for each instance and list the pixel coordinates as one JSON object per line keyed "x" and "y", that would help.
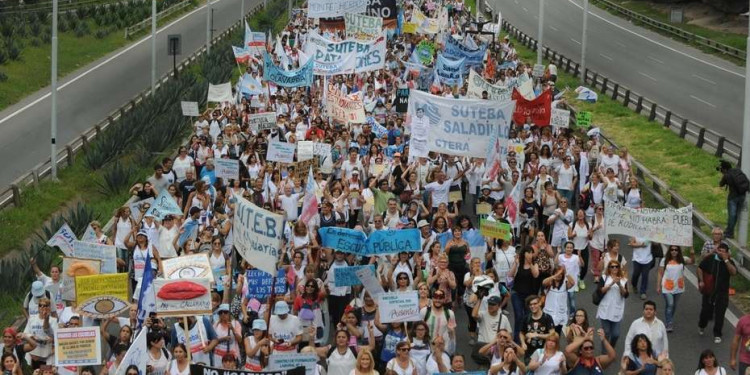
{"x": 548, "y": 360}
{"x": 598, "y": 241}
{"x": 671, "y": 282}
{"x": 633, "y": 195}
{"x": 420, "y": 346}
{"x": 182, "y": 163}
{"x": 510, "y": 365}
{"x": 580, "y": 232}
{"x": 158, "y": 356}
{"x": 401, "y": 364}
{"x": 179, "y": 364}
{"x": 614, "y": 291}
{"x": 566, "y": 177}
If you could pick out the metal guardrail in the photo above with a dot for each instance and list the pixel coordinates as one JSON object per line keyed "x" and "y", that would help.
{"x": 700, "y": 136}
{"x": 131, "y": 30}
{"x": 11, "y": 196}
{"x": 656, "y": 187}
{"x": 674, "y": 31}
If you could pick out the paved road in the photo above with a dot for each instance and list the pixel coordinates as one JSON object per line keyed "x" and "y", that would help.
{"x": 87, "y": 96}
{"x": 685, "y": 344}
{"x": 698, "y": 86}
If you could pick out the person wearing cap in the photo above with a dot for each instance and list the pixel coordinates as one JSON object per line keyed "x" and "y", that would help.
{"x": 202, "y": 338}
{"x": 256, "y": 345}
{"x": 144, "y": 249}
{"x": 286, "y": 329}
{"x": 426, "y": 235}
{"x": 489, "y": 321}
{"x": 31, "y": 302}
{"x": 151, "y": 227}
{"x": 42, "y": 327}
{"x": 229, "y": 333}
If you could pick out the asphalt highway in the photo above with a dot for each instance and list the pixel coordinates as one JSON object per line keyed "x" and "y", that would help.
{"x": 89, "y": 95}
{"x": 701, "y": 87}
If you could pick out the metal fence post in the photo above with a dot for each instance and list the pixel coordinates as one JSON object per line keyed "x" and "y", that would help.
{"x": 639, "y": 106}
{"x": 604, "y": 85}
{"x": 615, "y": 91}
{"x": 652, "y": 115}
{"x": 720, "y": 146}
{"x": 626, "y": 102}
{"x": 668, "y": 119}
{"x": 701, "y": 138}
{"x": 683, "y": 128}
{"x": 16, "y": 195}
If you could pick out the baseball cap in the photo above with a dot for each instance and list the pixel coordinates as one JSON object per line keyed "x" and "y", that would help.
{"x": 223, "y": 307}
{"x": 494, "y": 300}
{"x": 37, "y": 289}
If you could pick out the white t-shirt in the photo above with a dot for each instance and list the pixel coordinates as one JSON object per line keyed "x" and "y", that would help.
{"x": 642, "y": 254}
{"x": 289, "y": 205}
{"x": 284, "y": 329}
{"x": 439, "y": 191}
{"x": 551, "y": 365}
{"x": 432, "y": 366}
{"x": 572, "y": 268}
{"x": 565, "y": 177}
{"x": 45, "y": 344}
{"x": 487, "y": 325}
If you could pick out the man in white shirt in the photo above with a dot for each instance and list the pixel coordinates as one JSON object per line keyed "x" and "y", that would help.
{"x": 440, "y": 188}
{"x": 158, "y": 180}
{"x": 650, "y": 326}
{"x": 488, "y": 323}
{"x": 348, "y": 166}
{"x": 642, "y": 261}
{"x": 609, "y": 160}
{"x": 42, "y": 327}
{"x": 289, "y": 201}
{"x": 285, "y": 330}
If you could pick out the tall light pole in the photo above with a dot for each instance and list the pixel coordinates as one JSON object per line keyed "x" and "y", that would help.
{"x": 745, "y": 161}
{"x": 583, "y": 40}
{"x": 53, "y": 94}
{"x": 541, "y": 33}
{"x": 289, "y": 5}
{"x": 208, "y": 27}
{"x": 242, "y": 14}
{"x": 153, "y": 47}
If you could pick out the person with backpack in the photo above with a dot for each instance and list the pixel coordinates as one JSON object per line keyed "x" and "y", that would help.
{"x": 737, "y": 183}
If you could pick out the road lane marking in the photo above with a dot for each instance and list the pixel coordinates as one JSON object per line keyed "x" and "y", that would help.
{"x": 648, "y": 76}
{"x": 704, "y": 79}
{"x": 76, "y": 78}
{"x": 606, "y": 57}
{"x": 525, "y": 10}
{"x": 702, "y": 101}
{"x": 575, "y": 41}
{"x": 621, "y": 44}
{"x": 554, "y": 28}
{"x": 655, "y": 59}
{"x": 660, "y": 44}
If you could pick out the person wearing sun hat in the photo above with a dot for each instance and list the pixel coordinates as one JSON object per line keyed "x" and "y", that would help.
{"x": 144, "y": 249}
{"x": 256, "y": 345}
{"x": 31, "y": 302}
{"x": 285, "y": 329}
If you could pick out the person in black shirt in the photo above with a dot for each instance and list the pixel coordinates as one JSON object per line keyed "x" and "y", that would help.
{"x": 714, "y": 273}
{"x": 187, "y": 186}
{"x": 536, "y": 328}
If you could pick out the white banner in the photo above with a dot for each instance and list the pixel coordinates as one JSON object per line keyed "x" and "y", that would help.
{"x": 282, "y": 152}
{"x": 361, "y": 27}
{"x": 190, "y": 109}
{"x": 321, "y": 149}
{"x": 262, "y": 121}
{"x": 258, "y": 235}
{"x": 63, "y": 238}
{"x": 461, "y": 127}
{"x": 305, "y": 150}
{"x": 182, "y": 297}
{"x": 345, "y": 109}
{"x": 228, "y": 169}
{"x": 220, "y": 93}
{"x": 399, "y": 307}
{"x": 477, "y": 85}
{"x": 669, "y": 226}
{"x": 344, "y": 57}
{"x": 370, "y": 281}
{"x": 106, "y": 253}
{"x": 187, "y": 266}
{"x": 334, "y": 8}
{"x": 560, "y": 118}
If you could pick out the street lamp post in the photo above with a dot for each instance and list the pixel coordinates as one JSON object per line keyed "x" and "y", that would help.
{"x": 541, "y": 33}
{"x": 583, "y": 40}
{"x": 745, "y": 161}
{"x": 153, "y": 47}
{"x": 208, "y": 27}
{"x": 53, "y": 94}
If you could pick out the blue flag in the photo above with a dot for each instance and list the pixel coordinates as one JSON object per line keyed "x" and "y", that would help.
{"x": 250, "y": 85}
{"x": 146, "y": 299}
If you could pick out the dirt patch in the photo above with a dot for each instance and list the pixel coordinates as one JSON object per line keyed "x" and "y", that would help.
{"x": 704, "y": 15}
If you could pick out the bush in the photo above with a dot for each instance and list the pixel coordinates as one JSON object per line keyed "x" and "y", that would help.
{"x": 73, "y": 21}
{"x": 62, "y": 25}
{"x": 14, "y": 51}
{"x": 3, "y": 77}
{"x": 46, "y": 37}
{"x": 102, "y": 33}
{"x": 36, "y": 27}
{"x": 3, "y": 55}
{"x": 35, "y": 42}
{"x": 82, "y": 29}
{"x": 116, "y": 179}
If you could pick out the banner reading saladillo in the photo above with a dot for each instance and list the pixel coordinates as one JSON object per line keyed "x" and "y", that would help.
{"x": 301, "y": 77}
{"x": 344, "y": 57}
{"x": 462, "y": 127}
{"x": 334, "y": 8}
{"x": 669, "y": 226}
{"x": 456, "y": 50}
{"x": 361, "y": 27}
{"x": 258, "y": 235}
{"x": 477, "y": 85}
{"x": 538, "y": 109}
{"x": 345, "y": 109}
{"x": 206, "y": 370}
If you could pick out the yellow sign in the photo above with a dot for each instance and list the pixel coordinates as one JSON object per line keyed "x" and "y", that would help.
{"x": 454, "y": 196}
{"x": 102, "y": 296}
{"x": 410, "y": 28}
{"x": 495, "y": 229}
{"x": 78, "y": 347}
{"x": 484, "y": 208}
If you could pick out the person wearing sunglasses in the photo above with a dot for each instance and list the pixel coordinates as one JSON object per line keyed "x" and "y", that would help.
{"x": 401, "y": 364}
{"x": 580, "y": 354}
{"x": 614, "y": 290}
{"x": 42, "y": 328}
{"x": 671, "y": 283}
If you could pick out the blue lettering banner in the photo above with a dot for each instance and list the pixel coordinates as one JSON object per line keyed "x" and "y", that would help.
{"x": 380, "y": 242}
{"x": 455, "y": 50}
{"x": 301, "y": 77}
{"x": 347, "y": 276}
{"x": 449, "y": 71}
{"x": 259, "y": 284}
{"x": 331, "y": 57}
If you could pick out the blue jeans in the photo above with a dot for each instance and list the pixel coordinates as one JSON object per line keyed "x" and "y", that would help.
{"x": 734, "y": 206}
{"x": 518, "y": 300}
{"x": 571, "y": 302}
{"x": 611, "y": 331}
{"x": 641, "y": 271}
{"x": 670, "y": 306}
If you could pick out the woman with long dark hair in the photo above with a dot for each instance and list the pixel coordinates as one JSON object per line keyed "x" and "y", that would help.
{"x": 671, "y": 282}
{"x": 641, "y": 360}
{"x": 526, "y": 282}
{"x": 708, "y": 364}
{"x": 307, "y": 307}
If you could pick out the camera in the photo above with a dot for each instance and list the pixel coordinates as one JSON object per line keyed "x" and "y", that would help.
{"x": 482, "y": 286}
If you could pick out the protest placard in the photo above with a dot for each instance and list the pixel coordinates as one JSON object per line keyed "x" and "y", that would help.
{"x": 425, "y": 51}
{"x": 560, "y": 118}
{"x": 188, "y": 266}
{"x": 259, "y": 284}
{"x": 80, "y": 346}
{"x": 402, "y": 100}
{"x": 220, "y": 93}
{"x": 477, "y": 85}
{"x": 399, "y": 307}
{"x": 347, "y": 276}
{"x": 461, "y": 127}
{"x": 450, "y": 71}
{"x": 495, "y": 229}
{"x": 335, "y": 8}
{"x": 228, "y": 169}
{"x": 106, "y": 253}
{"x": 538, "y": 108}
{"x": 583, "y": 118}
{"x": 369, "y": 279}
{"x": 484, "y": 209}
{"x": 138, "y": 209}
{"x": 257, "y": 234}
{"x": 669, "y": 226}
{"x": 282, "y": 152}
{"x": 301, "y": 77}
{"x": 164, "y": 205}
{"x": 343, "y": 239}
{"x": 190, "y": 109}
{"x": 262, "y": 121}
{"x": 455, "y": 49}
{"x": 102, "y": 296}
{"x": 386, "y": 9}
{"x": 207, "y": 370}
{"x": 288, "y": 361}
{"x": 362, "y": 27}
{"x": 73, "y": 267}
{"x": 301, "y": 168}
{"x": 305, "y": 150}
{"x": 343, "y": 57}
{"x": 538, "y": 70}
{"x": 345, "y": 108}
{"x": 64, "y": 239}
{"x": 182, "y": 297}
{"x": 393, "y": 241}
{"x": 322, "y": 149}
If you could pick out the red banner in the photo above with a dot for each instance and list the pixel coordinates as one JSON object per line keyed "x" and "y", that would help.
{"x": 538, "y": 109}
